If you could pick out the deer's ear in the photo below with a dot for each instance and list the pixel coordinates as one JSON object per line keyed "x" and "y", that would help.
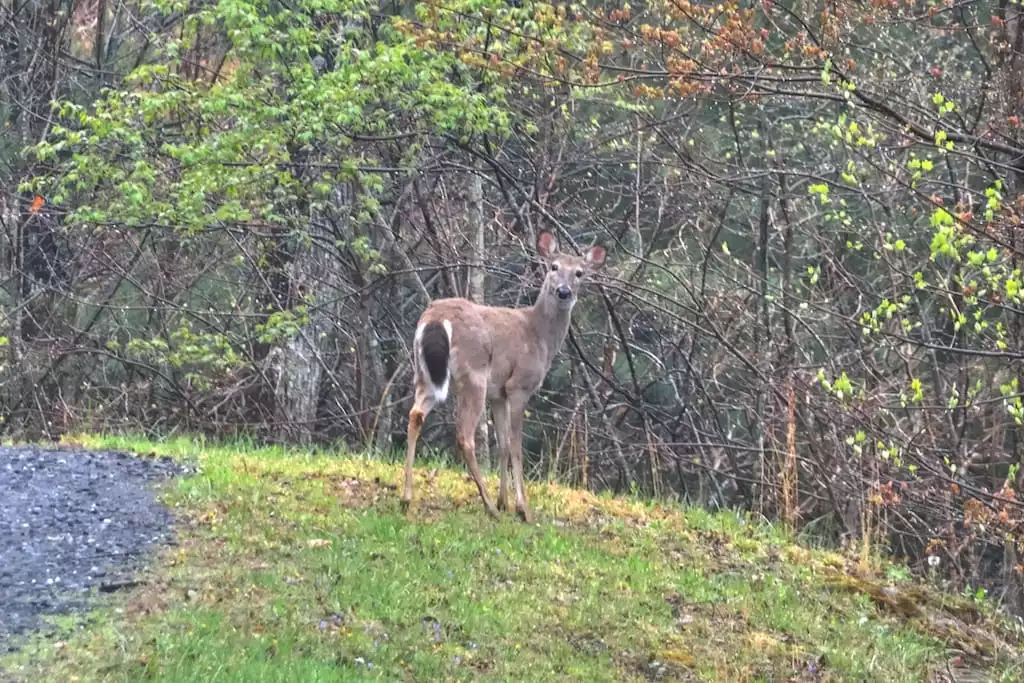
{"x": 595, "y": 256}
{"x": 547, "y": 245}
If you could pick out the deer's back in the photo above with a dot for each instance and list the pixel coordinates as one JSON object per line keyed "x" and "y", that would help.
{"x": 488, "y": 339}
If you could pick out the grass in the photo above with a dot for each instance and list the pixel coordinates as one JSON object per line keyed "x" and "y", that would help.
{"x": 293, "y": 566}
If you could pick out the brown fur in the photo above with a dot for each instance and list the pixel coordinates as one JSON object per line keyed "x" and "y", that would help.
{"x": 500, "y": 356}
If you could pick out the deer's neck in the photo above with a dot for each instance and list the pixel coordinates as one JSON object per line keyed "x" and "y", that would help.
{"x": 551, "y": 323}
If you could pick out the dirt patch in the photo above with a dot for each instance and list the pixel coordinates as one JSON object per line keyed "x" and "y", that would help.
{"x": 72, "y": 521}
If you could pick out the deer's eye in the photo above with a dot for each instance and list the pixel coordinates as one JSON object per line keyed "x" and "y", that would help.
{"x": 579, "y": 273}
{"x": 554, "y": 266}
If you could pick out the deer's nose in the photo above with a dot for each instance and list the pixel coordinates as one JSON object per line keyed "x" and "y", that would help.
{"x": 564, "y": 292}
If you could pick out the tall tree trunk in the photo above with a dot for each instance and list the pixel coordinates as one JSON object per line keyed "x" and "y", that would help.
{"x": 34, "y": 38}
{"x": 1010, "y": 60}
{"x": 477, "y": 285}
{"x": 301, "y": 359}
{"x": 374, "y": 417}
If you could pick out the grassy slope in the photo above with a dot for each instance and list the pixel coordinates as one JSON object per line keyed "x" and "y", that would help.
{"x": 294, "y": 567}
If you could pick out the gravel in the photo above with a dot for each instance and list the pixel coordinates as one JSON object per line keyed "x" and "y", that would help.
{"x": 72, "y": 521}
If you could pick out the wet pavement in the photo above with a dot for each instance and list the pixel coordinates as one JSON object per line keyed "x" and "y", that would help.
{"x": 72, "y": 521}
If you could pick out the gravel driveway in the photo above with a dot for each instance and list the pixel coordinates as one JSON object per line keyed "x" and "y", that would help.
{"x": 71, "y": 520}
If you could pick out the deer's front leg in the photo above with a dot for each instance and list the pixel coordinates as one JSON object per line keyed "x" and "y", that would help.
{"x": 516, "y": 408}
{"x": 500, "y": 409}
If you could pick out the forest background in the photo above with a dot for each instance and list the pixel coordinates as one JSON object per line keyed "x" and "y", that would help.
{"x": 225, "y": 216}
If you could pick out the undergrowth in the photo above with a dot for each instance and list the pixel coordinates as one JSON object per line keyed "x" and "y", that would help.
{"x": 291, "y": 566}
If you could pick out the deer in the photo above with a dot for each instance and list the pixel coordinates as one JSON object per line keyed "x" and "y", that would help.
{"x": 495, "y": 355}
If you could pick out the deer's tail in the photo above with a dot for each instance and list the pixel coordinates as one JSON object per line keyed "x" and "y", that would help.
{"x": 432, "y": 348}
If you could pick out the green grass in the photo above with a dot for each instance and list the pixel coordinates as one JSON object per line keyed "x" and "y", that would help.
{"x": 293, "y": 566}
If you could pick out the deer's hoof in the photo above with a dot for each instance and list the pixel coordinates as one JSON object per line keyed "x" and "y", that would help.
{"x": 525, "y": 515}
{"x": 502, "y": 504}
{"x": 403, "y": 505}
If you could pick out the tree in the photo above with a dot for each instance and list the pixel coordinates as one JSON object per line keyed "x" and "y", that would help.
{"x": 249, "y": 159}
{"x": 811, "y": 211}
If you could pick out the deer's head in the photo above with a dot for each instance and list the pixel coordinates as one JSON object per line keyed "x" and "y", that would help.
{"x": 565, "y": 272}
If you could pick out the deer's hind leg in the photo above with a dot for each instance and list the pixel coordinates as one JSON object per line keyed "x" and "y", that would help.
{"x": 421, "y": 407}
{"x": 472, "y": 399}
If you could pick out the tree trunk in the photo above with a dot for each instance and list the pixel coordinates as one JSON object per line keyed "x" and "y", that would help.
{"x": 300, "y": 360}
{"x": 477, "y": 285}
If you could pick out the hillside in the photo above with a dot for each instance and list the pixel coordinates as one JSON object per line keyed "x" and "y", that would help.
{"x": 300, "y": 567}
